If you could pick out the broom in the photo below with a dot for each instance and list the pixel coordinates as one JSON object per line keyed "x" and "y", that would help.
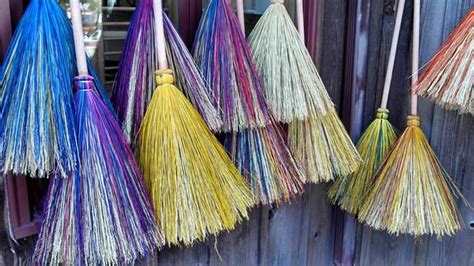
{"x": 195, "y": 188}
{"x": 260, "y": 152}
{"x": 36, "y": 114}
{"x": 374, "y": 144}
{"x": 412, "y": 193}
{"x": 320, "y": 140}
{"x": 135, "y": 81}
{"x": 285, "y": 66}
{"x": 222, "y": 53}
{"x": 101, "y": 214}
{"x": 448, "y": 79}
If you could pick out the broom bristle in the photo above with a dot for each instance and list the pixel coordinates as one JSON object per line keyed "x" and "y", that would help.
{"x": 323, "y": 145}
{"x": 350, "y": 191}
{"x": 37, "y": 130}
{"x": 135, "y": 81}
{"x": 448, "y": 79}
{"x": 101, "y": 214}
{"x": 263, "y": 158}
{"x": 289, "y": 76}
{"x": 195, "y": 188}
{"x": 222, "y": 52}
{"x": 412, "y": 193}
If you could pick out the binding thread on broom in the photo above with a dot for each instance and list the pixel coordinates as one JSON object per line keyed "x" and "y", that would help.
{"x": 349, "y": 191}
{"x": 195, "y": 188}
{"x": 412, "y": 193}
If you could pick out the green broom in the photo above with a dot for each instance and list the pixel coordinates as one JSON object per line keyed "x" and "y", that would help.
{"x": 350, "y": 191}
{"x": 412, "y": 193}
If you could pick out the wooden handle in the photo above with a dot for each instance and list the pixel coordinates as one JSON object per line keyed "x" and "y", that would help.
{"x": 300, "y": 19}
{"x": 393, "y": 53}
{"x": 160, "y": 35}
{"x": 415, "y": 53}
{"x": 241, "y": 15}
{"x": 76, "y": 18}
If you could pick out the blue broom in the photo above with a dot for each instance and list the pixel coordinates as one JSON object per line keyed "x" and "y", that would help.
{"x": 36, "y": 113}
{"x": 101, "y": 214}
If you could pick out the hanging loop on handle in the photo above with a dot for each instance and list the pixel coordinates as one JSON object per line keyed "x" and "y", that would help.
{"x": 393, "y": 53}
{"x": 415, "y": 54}
{"x": 76, "y": 18}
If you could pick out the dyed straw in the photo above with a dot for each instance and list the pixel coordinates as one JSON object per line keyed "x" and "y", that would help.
{"x": 37, "y": 120}
{"x": 135, "y": 81}
{"x": 258, "y": 149}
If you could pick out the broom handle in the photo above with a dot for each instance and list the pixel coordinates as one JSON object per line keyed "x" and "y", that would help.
{"x": 393, "y": 53}
{"x": 160, "y": 35}
{"x": 76, "y": 18}
{"x": 300, "y": 19}
{"x": 416, "y": 53}
{"x": 240, "y": 14}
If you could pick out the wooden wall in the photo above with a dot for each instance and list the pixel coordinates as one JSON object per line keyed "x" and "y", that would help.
{"x": 311, "y": 231}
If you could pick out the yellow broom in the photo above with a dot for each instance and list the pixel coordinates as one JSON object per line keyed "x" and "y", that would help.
{"x": 194, "y": 186}
{"x": 350, "y": 191}
{"x": 320, "y": 141}
{"x": 412, "y": 193}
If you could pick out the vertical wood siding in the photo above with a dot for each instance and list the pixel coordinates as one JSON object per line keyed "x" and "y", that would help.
{"x": 305, "y": 232}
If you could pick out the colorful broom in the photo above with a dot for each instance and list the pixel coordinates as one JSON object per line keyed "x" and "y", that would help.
{"x": 320, "y": 140}
{"x": 36, "y": 113}
{"x": 448, "y": 79}
{"x": 259, "y": 149}
{"x": 135, "y": 80}
{"x": 412, "y": 193}
{"x": 195, "y": 188}
{"x": 375, "y": 143}
{"x": 220, "y": 49}
{"x": 289, "y": 78}
{"x": 101, "y": 214}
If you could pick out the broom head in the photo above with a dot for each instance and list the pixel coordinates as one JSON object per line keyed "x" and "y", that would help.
{"x": 449, "y": 77}
{"x": 101, "y": 214}
{"x": 135, "y": 81}
{"x": 412, "y": 193}
{"x": 222, "y": 53}
{"x": 195, "y": 188}
{"x": 290, "y": 78}
{"x": 36, "y": 102}
{"x": 350, "y": 191}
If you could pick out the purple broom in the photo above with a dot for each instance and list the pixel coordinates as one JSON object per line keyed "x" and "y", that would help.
{"x": 101, "y": 214}
{"x": 135, "y": 81}
{"x": 256, "y": 142}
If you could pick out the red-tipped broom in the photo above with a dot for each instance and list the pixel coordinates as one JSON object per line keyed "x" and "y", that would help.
{"x": 412, "y": 193}
{"x": 101, "y": 214}
{"x": 449, "y": 77}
